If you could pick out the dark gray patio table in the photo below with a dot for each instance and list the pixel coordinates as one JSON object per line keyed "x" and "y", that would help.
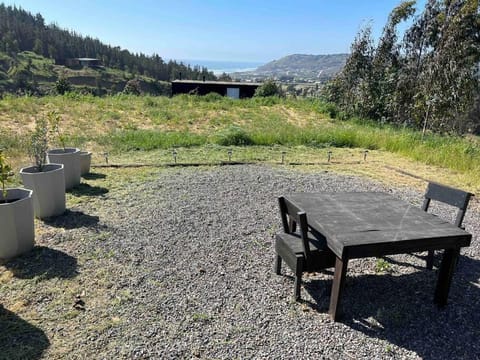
{"x": 365, "y": 224}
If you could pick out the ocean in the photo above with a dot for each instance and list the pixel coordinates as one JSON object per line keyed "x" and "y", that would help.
{"x": 218, "y": 67}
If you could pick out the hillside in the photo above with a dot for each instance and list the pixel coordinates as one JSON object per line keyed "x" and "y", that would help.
{"x": 22, "y": 32}
{"x": 300, "y": 68}
{"x": 32, "y": 73}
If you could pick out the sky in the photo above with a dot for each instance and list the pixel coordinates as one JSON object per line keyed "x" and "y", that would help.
{"x": 223, "y": 30}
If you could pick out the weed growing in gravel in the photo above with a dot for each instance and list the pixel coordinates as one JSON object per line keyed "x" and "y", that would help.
{"x": 391, "y": 316}
{"x": 123, "y": 296}
{"x": 201, "y": 317}
{"x": 382, "y": 266}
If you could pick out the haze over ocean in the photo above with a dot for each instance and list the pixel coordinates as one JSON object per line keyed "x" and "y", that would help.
{"x": 218, "y": 67}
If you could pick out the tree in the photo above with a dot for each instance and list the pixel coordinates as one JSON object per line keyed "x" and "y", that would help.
{"x": 38, "y": 47}
{"x": 132, "y": 87}
{"x": 350, "y": 88}
{"x": 452, "y": 68}
{"x": 224, "y": 77}
{"x": 386, "y": 65}
{"x": 430, "y": 80}
{"x": 268, "y": 88}
{"x": 439, "y": 83}
{"x": 62, "y": 85}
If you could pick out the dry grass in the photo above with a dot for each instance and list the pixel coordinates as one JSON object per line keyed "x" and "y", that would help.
{"x": 388, "y": 168}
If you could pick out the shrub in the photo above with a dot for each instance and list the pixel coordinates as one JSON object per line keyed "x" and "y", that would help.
{"x": 268, "y": 88}
{"x": 267, "y": 101}
{"x": 132, "y": 87}
{"x": 62, "y": 85}
{"x": 212, "y": 96}
{"x": 233, "y": 136}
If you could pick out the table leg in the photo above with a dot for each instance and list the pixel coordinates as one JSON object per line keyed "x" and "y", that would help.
{"x": 445, "y": 274}
{"x": 337, "y": 288}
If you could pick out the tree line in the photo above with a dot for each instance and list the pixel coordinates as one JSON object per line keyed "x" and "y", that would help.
{"x": 22, "y": 31}
{"x": 428, "y": 79}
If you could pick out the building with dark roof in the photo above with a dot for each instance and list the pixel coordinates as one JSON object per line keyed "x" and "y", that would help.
{"x": 235, "y": 90}
{"x": 83, "y": 62}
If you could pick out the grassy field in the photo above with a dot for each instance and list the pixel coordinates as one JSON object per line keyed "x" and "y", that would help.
{"x": 145, "y": 129}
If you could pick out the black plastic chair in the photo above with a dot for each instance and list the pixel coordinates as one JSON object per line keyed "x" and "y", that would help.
{"x": 302, "y": 251}
{"x": 448, "y": 195}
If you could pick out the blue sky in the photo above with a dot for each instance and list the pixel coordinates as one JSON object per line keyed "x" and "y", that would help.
{"x": 236, "y": 30}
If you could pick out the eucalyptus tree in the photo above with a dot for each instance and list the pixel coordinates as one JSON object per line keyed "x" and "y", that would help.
{"x": 350, "y": 88}
{"x": 440, "y": 81}
{"x": 429, "y": 80}
{"x": 387, "y": 65}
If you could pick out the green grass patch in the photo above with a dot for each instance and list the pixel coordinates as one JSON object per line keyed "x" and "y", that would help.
{"x": 127, "y": 140}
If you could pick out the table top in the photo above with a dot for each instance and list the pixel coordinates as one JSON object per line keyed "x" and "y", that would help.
{"x": 363, "y": 224}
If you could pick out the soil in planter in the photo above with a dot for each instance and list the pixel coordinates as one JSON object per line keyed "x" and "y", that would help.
{"x": 9, "y": 201}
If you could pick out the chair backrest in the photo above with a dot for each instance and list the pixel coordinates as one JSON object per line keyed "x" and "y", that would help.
{"x": 292, "y": 215}
{"x": 448, "y": 195}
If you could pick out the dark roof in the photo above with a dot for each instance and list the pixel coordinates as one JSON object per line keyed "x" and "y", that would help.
{"x": 234, "y": 83}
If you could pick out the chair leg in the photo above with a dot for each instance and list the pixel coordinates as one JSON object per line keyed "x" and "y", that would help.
{"x": 278, "y": 264}
{"x": 445, "y": 274}
{"x": 457, "y": 258}
{"x": 298, "y": 277}
{"x": 430, "y": 259}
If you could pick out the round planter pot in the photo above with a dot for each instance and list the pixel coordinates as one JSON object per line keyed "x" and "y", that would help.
{"x": 48, "y": 189}
{"x": 85, "y": 161}
{"x": 71, "y": 164}
{"x": 17, "y": 233}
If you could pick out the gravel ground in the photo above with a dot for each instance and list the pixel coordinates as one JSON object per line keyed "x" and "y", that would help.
{"x": 183, "y": 268}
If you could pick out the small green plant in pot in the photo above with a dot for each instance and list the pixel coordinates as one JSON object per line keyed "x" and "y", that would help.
{"x": 67, "y": 156}
{"x": 39, "y": 143}
{"x": 46, "y": 180}
{"x": 54, "y": 118}
{"x": 16, "y": 216}
{"x": 5, "y": 175}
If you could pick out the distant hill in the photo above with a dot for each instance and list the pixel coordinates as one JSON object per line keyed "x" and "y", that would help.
{"x": 301, "y": 62}
{"x": 300, "y": 67}
{"x": 24, "y": 33}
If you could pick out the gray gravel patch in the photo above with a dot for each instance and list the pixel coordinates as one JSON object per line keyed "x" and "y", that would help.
{"x": 194, "y": 253}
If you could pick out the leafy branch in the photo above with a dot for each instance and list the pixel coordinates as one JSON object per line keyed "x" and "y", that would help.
{"x": 54, "y": 119}
{"x": 5, "y": 173}
{"x": 39, "y": 143}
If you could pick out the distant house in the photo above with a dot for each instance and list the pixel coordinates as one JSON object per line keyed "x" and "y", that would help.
{"x": 235, "y": 90}
{"x": 83, "y": 62}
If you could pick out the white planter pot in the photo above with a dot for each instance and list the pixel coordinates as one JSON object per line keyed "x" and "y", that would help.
{"x": 85, "y": 161}
{"x": 48, "y": 189}
{"x": 17, "y": 233}
{"x": 71, "y": 164}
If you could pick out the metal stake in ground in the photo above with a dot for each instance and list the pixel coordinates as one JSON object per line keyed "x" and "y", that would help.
{"x": 106, "y": 157}
{"x": 174, "y": 154}
{"x": 329, "y": 154}
{"x": 365, "y": 155}
{"x": 229, "y": 155}
{"x": 283, "y": 156}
